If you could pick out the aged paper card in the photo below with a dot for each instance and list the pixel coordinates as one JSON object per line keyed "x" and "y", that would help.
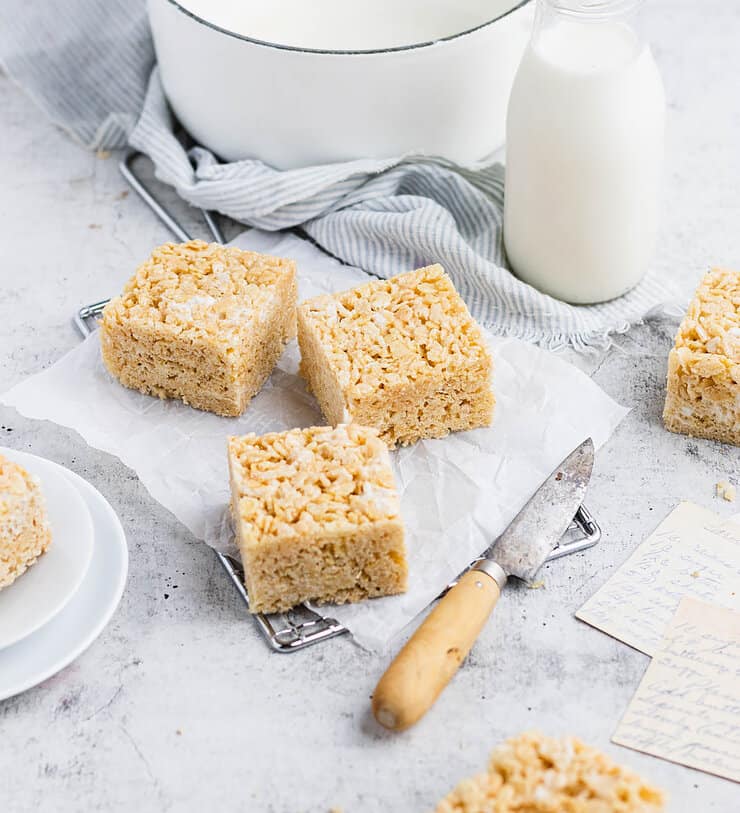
{"x": 693, "y": 552}
{"x": 687, "y": 707}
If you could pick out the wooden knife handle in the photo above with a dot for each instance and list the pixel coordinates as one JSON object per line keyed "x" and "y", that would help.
{"x": 433, "y": 654}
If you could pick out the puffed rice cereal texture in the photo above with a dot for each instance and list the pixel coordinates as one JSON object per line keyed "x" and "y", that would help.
{"x": 703, "y": 396}
{"x": 201, "y": 322}
{"x": 317, "y": 517}
{"x": 537, "y": 774}
{"x": 24, "y": 528}
{"x": 403, "y": 355}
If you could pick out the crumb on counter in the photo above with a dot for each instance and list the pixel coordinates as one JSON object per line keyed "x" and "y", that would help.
{"x": 725, "y": 490}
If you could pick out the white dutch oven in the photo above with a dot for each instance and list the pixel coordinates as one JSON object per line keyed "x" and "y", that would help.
{"x": 301, "y": 82}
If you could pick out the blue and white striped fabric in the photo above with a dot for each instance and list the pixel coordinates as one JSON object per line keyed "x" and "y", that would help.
{"x": 87, "y": 63}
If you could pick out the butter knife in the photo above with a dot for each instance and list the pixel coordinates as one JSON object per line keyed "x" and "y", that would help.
{"x": 429, "y": 660}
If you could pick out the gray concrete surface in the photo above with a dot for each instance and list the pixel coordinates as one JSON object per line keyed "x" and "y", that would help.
{"x": 179, "y": 705}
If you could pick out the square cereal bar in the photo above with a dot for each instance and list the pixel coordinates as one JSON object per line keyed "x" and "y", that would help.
{"x": 201, "y": 322}
{"x": 403, "y": 355}
{"x": 24, "y": 528}
{"x": 704, "y": 365}
{"x": 539, "y": 774}
{"x": 317, "y": 517}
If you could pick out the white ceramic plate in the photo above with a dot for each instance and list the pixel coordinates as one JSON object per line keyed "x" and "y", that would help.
{"x": 45, "y": 588}
{"x": 65, "y": 637}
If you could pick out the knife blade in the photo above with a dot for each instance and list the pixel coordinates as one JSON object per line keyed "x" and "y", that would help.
{"x": 536, "y": 530}
{"x": 431, "y": 657}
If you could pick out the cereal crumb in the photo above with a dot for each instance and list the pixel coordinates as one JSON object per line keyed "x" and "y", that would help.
{"x": 103, "y": 154}
{"x": 536, "y": 585}
{"x": 725, "y": 490}
{"x": 695, "y": 574}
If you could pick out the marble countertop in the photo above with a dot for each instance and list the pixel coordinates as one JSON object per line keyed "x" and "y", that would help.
{"x": 179, "y": 705}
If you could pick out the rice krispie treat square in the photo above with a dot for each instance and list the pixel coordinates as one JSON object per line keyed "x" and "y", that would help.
{"x": 202, "y": 322}
{"x": 703, "y": 397}
{"x": 24, "y": 528}
{"x": 317, "y": 517}
{"x": 539, "y": 774}
{"x": 403, "y": 355}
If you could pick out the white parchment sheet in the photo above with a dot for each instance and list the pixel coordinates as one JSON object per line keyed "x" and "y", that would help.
{"x": 457, "y": 493}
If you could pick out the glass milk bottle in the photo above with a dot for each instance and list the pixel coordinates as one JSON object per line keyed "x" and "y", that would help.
{"x": 584, "y": 152}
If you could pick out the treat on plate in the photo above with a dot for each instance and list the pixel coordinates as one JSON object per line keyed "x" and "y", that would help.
{"x": 403, "y": 355}
{"x": 317, "y": 517}
{"x": 24, "y": 528}
{"x": 201, "y": 322}
{"x": 546, "y": 775}
{"x": 703, "y": 397}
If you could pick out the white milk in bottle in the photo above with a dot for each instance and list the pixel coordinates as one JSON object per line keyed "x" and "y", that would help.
{"x": 584, "y": 152}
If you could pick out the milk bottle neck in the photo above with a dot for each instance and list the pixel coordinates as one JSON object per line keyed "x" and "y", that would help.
{"x": 589, "y": 10}
{"x": 588, "y": 35}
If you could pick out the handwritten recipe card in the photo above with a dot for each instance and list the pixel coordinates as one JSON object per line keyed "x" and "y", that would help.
{"x": 687, "y": 708}
{"x": 692, "y": 553}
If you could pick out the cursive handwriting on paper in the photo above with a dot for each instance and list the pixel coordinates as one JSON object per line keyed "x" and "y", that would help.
{"x": 691, "y": 553}
{"x": 687, "y": 707}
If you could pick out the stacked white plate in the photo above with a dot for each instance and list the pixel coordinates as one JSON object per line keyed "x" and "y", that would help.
{"x": 58, "y": 607}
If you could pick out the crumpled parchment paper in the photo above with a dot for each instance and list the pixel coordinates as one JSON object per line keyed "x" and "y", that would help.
{"x": 457, "y": 493}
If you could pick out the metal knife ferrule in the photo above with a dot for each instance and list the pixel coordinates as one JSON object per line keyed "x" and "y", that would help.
{"x": 496, "y": 572}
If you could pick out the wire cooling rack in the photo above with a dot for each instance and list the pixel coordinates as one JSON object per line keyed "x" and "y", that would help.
{"x": 302, "y": 626}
